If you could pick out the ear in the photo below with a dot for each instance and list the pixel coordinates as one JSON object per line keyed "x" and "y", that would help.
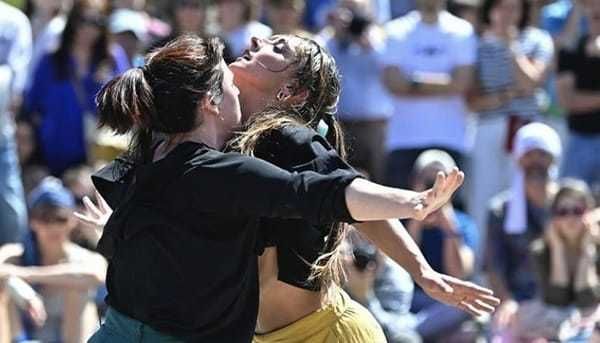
{"x": 290, "y": 94}
{"x": 208, "y": 107}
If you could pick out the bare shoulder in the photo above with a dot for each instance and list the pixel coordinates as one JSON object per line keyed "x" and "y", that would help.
{"x": 78, "y": 254}
{"x": 11, "y": 252}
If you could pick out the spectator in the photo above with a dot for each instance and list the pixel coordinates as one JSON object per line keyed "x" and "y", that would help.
{"x": 382, "y": 286}
{"x": 48, "y": 19}
{"x": 61, "y": 273}
{"x": 187, "y": 16}
{"x": 357, "y": 45}
{"x": 285, "y": 16}
{"x": 430, "y": 61}
{"x": 449, "y": 240}
{"x": 60, "y": 104}
{"x": 15, "y": 53}
{"x": 519, "y": 217}
{"x": 514, "y": 59}
{"x": 129, "y": 29}
{"x": 564, "y": 20}
{"x": 401, "y": 8}
{"x": 468, "y": 10}
{"x": 568, "y": 264}
{"x": 578, "y": 88}
{"x": 237, "y": 19}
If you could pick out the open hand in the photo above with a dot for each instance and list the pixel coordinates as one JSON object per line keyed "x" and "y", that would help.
{"x": 432, "y": 199}
{"x": 95, "y": 216}
{"x": 464, "y": 295}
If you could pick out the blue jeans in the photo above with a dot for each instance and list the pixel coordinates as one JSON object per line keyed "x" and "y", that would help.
{"x": 118, "y": 328}
{"x": 13, "y": 211}
{"x": 582, "y": 159}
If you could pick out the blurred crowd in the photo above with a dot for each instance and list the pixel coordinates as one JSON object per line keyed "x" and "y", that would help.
{"x": 507, "y": 90}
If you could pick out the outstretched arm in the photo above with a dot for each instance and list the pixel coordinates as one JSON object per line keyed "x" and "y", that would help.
{"x": 392, "y": 238}
{"x": 369, "y": 201}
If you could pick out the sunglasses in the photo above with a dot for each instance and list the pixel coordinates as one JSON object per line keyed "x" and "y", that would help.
{"x": 569, "y": 211}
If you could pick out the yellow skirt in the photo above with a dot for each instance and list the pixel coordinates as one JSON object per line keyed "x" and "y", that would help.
{"x": 344, "y": 321}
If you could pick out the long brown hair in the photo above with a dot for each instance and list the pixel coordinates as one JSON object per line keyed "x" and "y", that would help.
{"x": 315, "y": 71}
{"x": 163, "y": 96}
{"x": 100, "y": 53}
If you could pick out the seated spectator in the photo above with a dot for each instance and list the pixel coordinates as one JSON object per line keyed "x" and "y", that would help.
{"x": 285, "y": 16}
{"x": 382, "y": 286}
{"x": 238, "y": 24}
{"x": 513, "y": 61}
{"x": 568, "y": 264}
{"x": 129, "y": 30}
{"x": 449, "y": 240}
{"x": 578, "y": 88}
{"x": 518, "y": 217}
{"x": 358, "y": 45}
{"x": 60, "y": 103}
{"x": 63, "y": 275}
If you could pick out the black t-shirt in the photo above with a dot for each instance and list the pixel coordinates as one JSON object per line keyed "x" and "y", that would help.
{"x": 299, "y": 243}
{"x": 182, "y": 242}
{"x": 586, "y": 70}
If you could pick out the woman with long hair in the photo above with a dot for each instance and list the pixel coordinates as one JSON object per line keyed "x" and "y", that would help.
{"x": 289, "y": 88}
{"x": 183, "y": 239}
{"x": 60, "y": 103}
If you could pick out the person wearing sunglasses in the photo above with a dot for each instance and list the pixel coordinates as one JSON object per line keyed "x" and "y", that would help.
{"x": 567, "y": 263}
{"x": 48, "y": 277}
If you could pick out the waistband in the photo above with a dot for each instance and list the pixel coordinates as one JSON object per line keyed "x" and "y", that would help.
{"x": 312, "y": 324}
{"x": 132, "y": 329}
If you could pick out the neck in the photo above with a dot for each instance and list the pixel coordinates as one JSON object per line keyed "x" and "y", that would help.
{"x": 254, "y": 102}
{"x": 430, "y": 17}
{"x": 208, "y": 133}
{"x": 537, "y": 194}
{"x": 52, "y": 253}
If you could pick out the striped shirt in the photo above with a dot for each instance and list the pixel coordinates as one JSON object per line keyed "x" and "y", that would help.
{"x": 496, "y": 72}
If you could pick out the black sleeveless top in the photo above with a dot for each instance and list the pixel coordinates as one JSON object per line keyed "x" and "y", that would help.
{"x": 299, "y": 243}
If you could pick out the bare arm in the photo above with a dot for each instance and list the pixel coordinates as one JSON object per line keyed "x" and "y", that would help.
{"x": 369, "y": 201}
{"x": 68, "y": 275}
{"x": 459, "y": 259}
{"x": 573, "y": 100}
{"x": 428, "y": 84}
{"x": 530, "y": 74}
{"x": 391, "y": 237}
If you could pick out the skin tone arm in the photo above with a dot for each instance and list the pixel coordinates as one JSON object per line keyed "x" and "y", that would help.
{"x": 369, "y": 201}
{"x": 392, "y": 238}
{"x": 573, "y": 100}
{"x": 426, "y": 84}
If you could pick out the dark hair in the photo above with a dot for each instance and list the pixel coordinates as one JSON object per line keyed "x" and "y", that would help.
{"x": 315, "y": 71}
{"x": 570, "y": 187}
{"x": 488, "y": 5}
{"x": 162, "y": 96}
{"x": 100, "y": 51}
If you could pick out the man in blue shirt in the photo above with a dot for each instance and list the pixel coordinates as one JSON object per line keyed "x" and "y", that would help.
{"x": 449, "y": 240}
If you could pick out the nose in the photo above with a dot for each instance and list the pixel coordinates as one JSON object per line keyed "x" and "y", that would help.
{"x": 255, "y": 43}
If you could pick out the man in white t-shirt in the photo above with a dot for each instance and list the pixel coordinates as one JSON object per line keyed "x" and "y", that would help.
{"x": 430, "y": 57}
